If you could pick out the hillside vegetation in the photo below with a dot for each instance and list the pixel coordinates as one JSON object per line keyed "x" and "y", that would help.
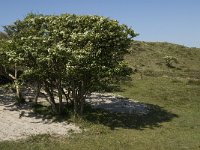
{"x": 149, "y": 58}
{"x": 173, "y": 90}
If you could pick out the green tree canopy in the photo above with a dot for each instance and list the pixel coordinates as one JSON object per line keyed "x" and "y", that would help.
{"x": 70, "y": 53}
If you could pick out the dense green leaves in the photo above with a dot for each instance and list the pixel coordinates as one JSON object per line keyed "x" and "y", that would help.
{"x": 70, "y": 52}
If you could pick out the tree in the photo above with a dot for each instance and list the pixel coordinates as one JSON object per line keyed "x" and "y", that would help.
{"x": 9, "y": 70}
{"x": 170, "y": 61}
{"x": 70, "y": 54}
{"x": 9, "y": 65}
{"x": 3, "y": 36}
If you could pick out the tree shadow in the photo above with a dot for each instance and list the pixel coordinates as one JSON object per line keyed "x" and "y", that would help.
{"x": 39, "y": 112}
{"x": 6, "y": 98}
{"x": 120, "y": 112}
{"x": 109, "y": 110}
{"x": 153, "y": 118}
{"x": 46, "y": 113}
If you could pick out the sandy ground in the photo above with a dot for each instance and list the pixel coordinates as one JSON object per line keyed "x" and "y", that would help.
{"x": 117, "y": 104}
{"x": 19, "y": 122}
{"x": 13, "y": 127}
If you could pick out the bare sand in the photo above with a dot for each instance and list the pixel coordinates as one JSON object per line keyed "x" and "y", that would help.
{"x": 117, "y": 104}
{"x": 20, "y": 123}
{"x": 17, "y": 122}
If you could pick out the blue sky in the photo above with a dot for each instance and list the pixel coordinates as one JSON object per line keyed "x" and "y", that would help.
{"x": 176, "y": 21}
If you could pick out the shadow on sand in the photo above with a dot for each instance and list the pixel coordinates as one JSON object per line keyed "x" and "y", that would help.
{"x": 109, "y": 110}
{"x": 120, "y": 112}
{"x": 152, "y": 119}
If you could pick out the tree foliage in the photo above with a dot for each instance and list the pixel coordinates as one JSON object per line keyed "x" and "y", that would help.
{"x": 170, "y": 61}
{"x": 9, "y": 69}
{"x": 69, "y": 54}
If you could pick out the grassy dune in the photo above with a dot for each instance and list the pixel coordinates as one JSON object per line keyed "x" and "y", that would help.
{"x": 172, "y": 92}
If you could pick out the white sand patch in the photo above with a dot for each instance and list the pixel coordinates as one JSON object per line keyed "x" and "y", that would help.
{"x": 20, "y": 123}
{"x": 117, "y": 103}
{"x": 13, "y": 127}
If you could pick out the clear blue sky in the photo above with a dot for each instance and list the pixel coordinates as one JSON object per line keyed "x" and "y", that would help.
{"x": 176, "y": 21}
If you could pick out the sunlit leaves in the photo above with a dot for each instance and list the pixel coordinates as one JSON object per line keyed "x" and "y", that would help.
{"x": 70, "y": 48}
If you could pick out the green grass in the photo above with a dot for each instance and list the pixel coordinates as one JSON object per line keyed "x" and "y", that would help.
{"x": 149, "y": 58}
{"x": 180, "y": 131}
{"x": 172, "y": 94}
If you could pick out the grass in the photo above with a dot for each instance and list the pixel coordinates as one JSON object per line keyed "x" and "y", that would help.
{"x": 149, "y": 58}
{"x": 172, "y": 95}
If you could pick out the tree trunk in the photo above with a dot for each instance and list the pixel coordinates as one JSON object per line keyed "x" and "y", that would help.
{"x": 66, "y": 96}
{"x": 60, "y": 97}
{"x": 74, "y": 100}
{"x": 18, "y": 93}
{"x": 19, "y": 96}
{"x": 82, "y": 105}
{"x": 51, "y": 97}
{"x": 37, "y": 92}
{"x": 75, "y": 108}
{"x": 82, "y": 96}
